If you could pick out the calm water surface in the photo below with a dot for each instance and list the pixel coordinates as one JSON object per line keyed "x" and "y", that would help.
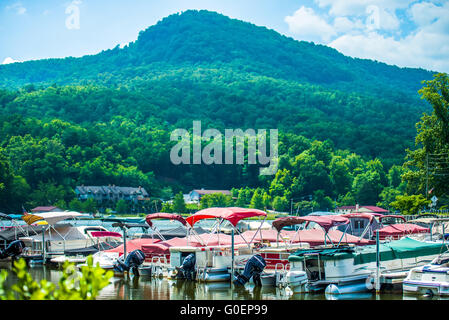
{"x": 146, "y": 288}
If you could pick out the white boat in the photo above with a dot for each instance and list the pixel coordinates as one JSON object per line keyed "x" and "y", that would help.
{"x": 108, "y": 258}
{"x": 431, "y": 279}
{"x": 217, "y": 255}
{"x": 438, "y": 228}
{"x": 57, "y": 237}
{"x": 314, "y": 231}
{"x": 353, "y": 269}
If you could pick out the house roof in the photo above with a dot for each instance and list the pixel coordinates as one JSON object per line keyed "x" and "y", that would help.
{"x": 371, "y": 208}
{"x": 111, "y": 190}
{"x": 202, "y": 191}
{"x": 44, "y": 208}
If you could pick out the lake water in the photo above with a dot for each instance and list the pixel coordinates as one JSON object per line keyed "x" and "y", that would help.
{"x": 146, "y": 288}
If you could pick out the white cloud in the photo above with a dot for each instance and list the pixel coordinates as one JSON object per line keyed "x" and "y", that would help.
{"x": 17, "y": 7}
{"x": 358, "y": 7}
{"x": 9, "y": 60}
{"x": 430, "y": 17}
{"x": 416, "y": 50}
{"x": 308, "y": 25}
{"x": 406, "y": 33}
{"x": 343, "y": 24}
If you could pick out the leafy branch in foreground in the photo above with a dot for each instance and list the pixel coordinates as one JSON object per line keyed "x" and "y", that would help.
{"x": 73, "y": 285}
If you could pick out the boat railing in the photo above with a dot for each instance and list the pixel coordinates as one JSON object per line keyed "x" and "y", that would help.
{"x": 157, "y": 265}
{"x": 281, "y": 274}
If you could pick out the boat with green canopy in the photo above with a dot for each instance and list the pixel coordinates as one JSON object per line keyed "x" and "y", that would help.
{"x": 352, "y": 269}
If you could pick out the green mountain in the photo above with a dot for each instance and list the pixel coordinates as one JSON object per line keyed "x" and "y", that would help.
{"x": 204, "y": 38}
{"x": 200, "y": 65}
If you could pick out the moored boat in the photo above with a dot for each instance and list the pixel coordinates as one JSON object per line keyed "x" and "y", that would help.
{"x": 356, "y": 266}
{"x": 431, "y": 279}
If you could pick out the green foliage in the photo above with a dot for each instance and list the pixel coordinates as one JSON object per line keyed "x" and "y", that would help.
{"x": 432, "y": 142}
{"x": 179, "y": 206}
{"x": 76, "y": 205}
{"x": 215, "y": 200}
{"x": 410, "y": 204}
{"x": 387, "y": 196}
{"x": 122, "y": 206}
{"x": 257, "y": 200}
{"x": 281, "y": 204}
{"x": 73, "y": 285}
{"x": 167, "y": 207}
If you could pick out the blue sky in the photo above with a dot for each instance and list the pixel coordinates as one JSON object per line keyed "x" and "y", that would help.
{"x": 402, "y": 32}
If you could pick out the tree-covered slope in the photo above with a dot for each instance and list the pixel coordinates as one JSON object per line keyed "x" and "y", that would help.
{"x": 206, "y": 38}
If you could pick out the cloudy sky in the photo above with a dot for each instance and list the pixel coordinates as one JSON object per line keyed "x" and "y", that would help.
{"x": 402, "y": 32}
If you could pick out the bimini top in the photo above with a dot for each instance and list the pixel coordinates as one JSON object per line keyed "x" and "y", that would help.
{"x": 50, "y": 217}
{"x": 163, "y": 215}
{"x": 325, "y": 222}
{"x": 232, "y": 214}
{"x": 364, "y": 215}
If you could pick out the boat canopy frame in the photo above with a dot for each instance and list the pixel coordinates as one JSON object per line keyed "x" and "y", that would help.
{"x": 231, "y": 214}
{"x": 171, "y": 216}
{"x": 325, "y": 222}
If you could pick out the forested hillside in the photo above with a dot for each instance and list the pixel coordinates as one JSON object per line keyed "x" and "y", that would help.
{"x": 107, "y": 118}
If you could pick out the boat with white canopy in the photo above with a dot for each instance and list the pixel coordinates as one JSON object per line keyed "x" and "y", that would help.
{"x": 58, "y": 235}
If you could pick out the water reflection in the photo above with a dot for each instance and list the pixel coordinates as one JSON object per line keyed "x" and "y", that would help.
{"x": 350, "y": 296}
{"x": 145, "y": 288}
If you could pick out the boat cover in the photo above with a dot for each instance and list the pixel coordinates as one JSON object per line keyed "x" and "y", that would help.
{"x": 400, "y": 229}
{"x": 162, "y": 247}
{"x": 179, "y": 232}
{"x": 163, "y": 215}
{"x": 232, "y": 214}
{"x": 64, "y": 232}
{"x": 397, "y": 249}
{"x": 326, "y": 222}
{"x": 91, "y": 249}
{"x": 364, "y": 215}
{"x": 209, "y": 239}
{"x": 135, "y": 244}
{"x": 105, "y": 234}
{"x": 14, "y": 232}
{"x": 268, "y": 235}
{"x": 50, "y": 217}
{"x": 317, "y": 237}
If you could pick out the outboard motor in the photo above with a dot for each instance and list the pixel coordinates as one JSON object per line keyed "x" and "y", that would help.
{"x": 14, "y": 249}
{"x": 133, "y": 260}
{"x": 253, "y": 268}
{"x": 187, "y": 267}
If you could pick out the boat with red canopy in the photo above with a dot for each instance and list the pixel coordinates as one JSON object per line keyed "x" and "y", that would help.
{"x": 231, "y": 214}
{"x": 398, "y": 230}
{"x": 220, "y": 252}
{"x": 322, "y": 236}
{"x": 154, "y": 248}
